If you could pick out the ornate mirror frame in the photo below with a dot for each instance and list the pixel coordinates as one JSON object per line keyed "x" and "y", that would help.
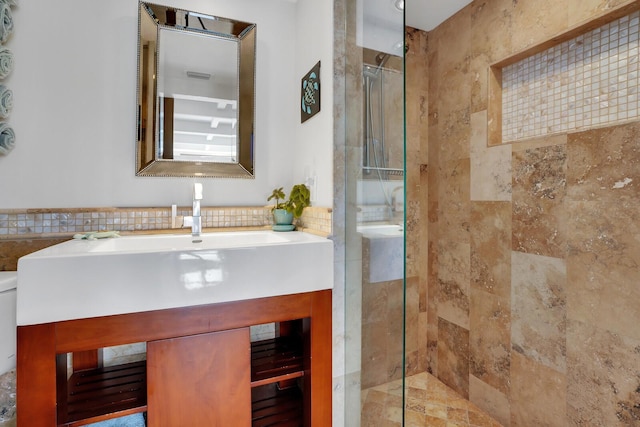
{"x": 150, "y": 159}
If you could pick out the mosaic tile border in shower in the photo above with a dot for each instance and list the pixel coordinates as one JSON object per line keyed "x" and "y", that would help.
{"x": 23, "y": 223}
{"x": 373, "y": 213}
{"x": 588, "y": 81}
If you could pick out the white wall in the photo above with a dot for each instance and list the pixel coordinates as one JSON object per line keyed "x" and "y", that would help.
{"x": 74, "y": 114}
{"x": 314, "y": 138}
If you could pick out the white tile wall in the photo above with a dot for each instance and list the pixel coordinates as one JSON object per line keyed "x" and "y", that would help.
{"x": 586, "y": 82}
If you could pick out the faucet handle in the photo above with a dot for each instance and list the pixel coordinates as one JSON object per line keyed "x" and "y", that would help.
{"x": 197, "y": 191}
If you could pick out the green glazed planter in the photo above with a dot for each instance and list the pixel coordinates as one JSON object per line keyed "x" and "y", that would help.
{"x": 282, "y": 217}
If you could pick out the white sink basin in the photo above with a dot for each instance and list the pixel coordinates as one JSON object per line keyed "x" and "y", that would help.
{"x": 381, "y": 230}
{"x": 81, "y": 279}
{"x": 160, "y": 242}
{"x": 386, "y": 251}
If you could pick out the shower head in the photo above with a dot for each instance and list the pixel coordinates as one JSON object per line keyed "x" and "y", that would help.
{"x": 371, "y": 72}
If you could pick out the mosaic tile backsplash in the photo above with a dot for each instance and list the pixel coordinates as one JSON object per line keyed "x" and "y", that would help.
{"x": 15, "y": 223}
{"x": 583, "y": 83}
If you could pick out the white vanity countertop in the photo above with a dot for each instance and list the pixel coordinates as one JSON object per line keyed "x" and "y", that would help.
{"x": 82, "y": 279}
{"x": 7, "y": 280}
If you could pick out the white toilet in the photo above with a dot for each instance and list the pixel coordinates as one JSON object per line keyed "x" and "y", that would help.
{"x": 8, "y": 281}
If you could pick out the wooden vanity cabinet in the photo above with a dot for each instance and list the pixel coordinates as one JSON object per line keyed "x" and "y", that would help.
{"x": 201, "y": 367}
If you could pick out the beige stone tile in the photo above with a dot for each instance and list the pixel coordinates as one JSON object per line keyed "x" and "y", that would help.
{"x": 480, "y": 419}
{"x": 605, "y": 164}
{"x": 12, "y": 250}
{"x": 393, "y": 413}
{"x": 411, "y": 315}
{"x": 454, "y": 400}
{"x": 603, "y": 377}
{"x": 533, "y": 143}
{"x": 417, "y": 384}
{"x": 490, "y": 41}
{"x": 377, "y": 394}
{"x": 453, "y": 282}
{"x": 454, "y": 201}
{"x": 538, "y": 394}
{"x": 458, "y": 415}
{"x": 374, "y": 302}
{"x": 584, "y": 10}
{"x": 428, "y": 402}
{"x": 490, "y": 400}
{"x": 603, "y": 222}
{"x": 433, "y": 84}
{"x": 602, "y": 266}
{"x": 490, "y": 166}
{"x": 538, "y": 309}
{"x": 371, "y": 415}
{"x": 490, "y": 339}
{"x": 436, "y": 410}
{"x": 412, "y": 418}
{"x": 432, "y": 306}
{"x": 491, "y": 29}
{"x": 479, "y": 75}
{"x": 416, "y": 404}
{"x": 454, "y": 39}
{"x": 374, "y": 355}
{"x": 453, "y": 356}
{"x": 416, "y": 96}
{"x": 491, "y": 247}
{"x": 435, "y": 421}
{"x": 453, "y": 130}
{"x": 432, "y": 152}
{"x": 539, "y": 187}
{"x": 422, "y": 342}
{"x": 536, "y": 21}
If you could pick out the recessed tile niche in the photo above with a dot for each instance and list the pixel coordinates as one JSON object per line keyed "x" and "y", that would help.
{"x": 587, "y": 77}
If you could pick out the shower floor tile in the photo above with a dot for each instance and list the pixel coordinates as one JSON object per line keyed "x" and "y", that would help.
{"x": 429, "y": 402}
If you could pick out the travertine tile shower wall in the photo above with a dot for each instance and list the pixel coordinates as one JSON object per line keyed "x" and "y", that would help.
{"x": 586, "y": 82}
{"x": 532, "y": 252}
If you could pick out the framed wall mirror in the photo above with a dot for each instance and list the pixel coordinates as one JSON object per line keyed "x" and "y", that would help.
{"x": 196, "y": 94}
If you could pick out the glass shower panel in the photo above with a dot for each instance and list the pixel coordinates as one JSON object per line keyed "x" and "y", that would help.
{"x": 375, "y": 215}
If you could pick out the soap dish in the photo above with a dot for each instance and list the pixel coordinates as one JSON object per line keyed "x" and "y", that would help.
{"x": 281, "y": 227}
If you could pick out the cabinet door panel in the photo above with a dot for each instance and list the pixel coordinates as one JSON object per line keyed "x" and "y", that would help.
{"x": 200, "y": 380}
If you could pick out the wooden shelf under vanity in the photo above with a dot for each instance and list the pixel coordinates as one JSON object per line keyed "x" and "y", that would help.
{"x": 271, "y": 406}
{"x": 276, "y": 366}
{"x": 95, "y": 395}
{"x": 284, "y": 381}
{"x": 276, "y": 360}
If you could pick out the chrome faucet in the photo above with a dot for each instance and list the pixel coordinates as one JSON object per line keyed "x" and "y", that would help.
{"x": 195, "y": 221}
{"x": 394, "y": 200}
{"x": 196, "y": 225}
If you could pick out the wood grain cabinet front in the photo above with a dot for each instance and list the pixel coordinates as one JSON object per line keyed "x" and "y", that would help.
{"x": 200, "y": 380}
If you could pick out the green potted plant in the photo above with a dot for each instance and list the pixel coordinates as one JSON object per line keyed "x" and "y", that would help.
{"x": 285, "y": 210}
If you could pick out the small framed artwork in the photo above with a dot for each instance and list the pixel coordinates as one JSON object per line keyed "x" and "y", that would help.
{"x": 310, "y": 94}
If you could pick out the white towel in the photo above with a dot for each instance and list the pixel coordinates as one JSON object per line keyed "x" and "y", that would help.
{"x": 6, "y": 22}
{"x": 6, "y": 101}
{"x": 7, "y": 138}
{"x": 6, "y": 62}
{"x": 135, "y": 420}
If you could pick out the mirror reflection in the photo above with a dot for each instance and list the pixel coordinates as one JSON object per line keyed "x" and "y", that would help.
{"x": 196, "y": 79}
